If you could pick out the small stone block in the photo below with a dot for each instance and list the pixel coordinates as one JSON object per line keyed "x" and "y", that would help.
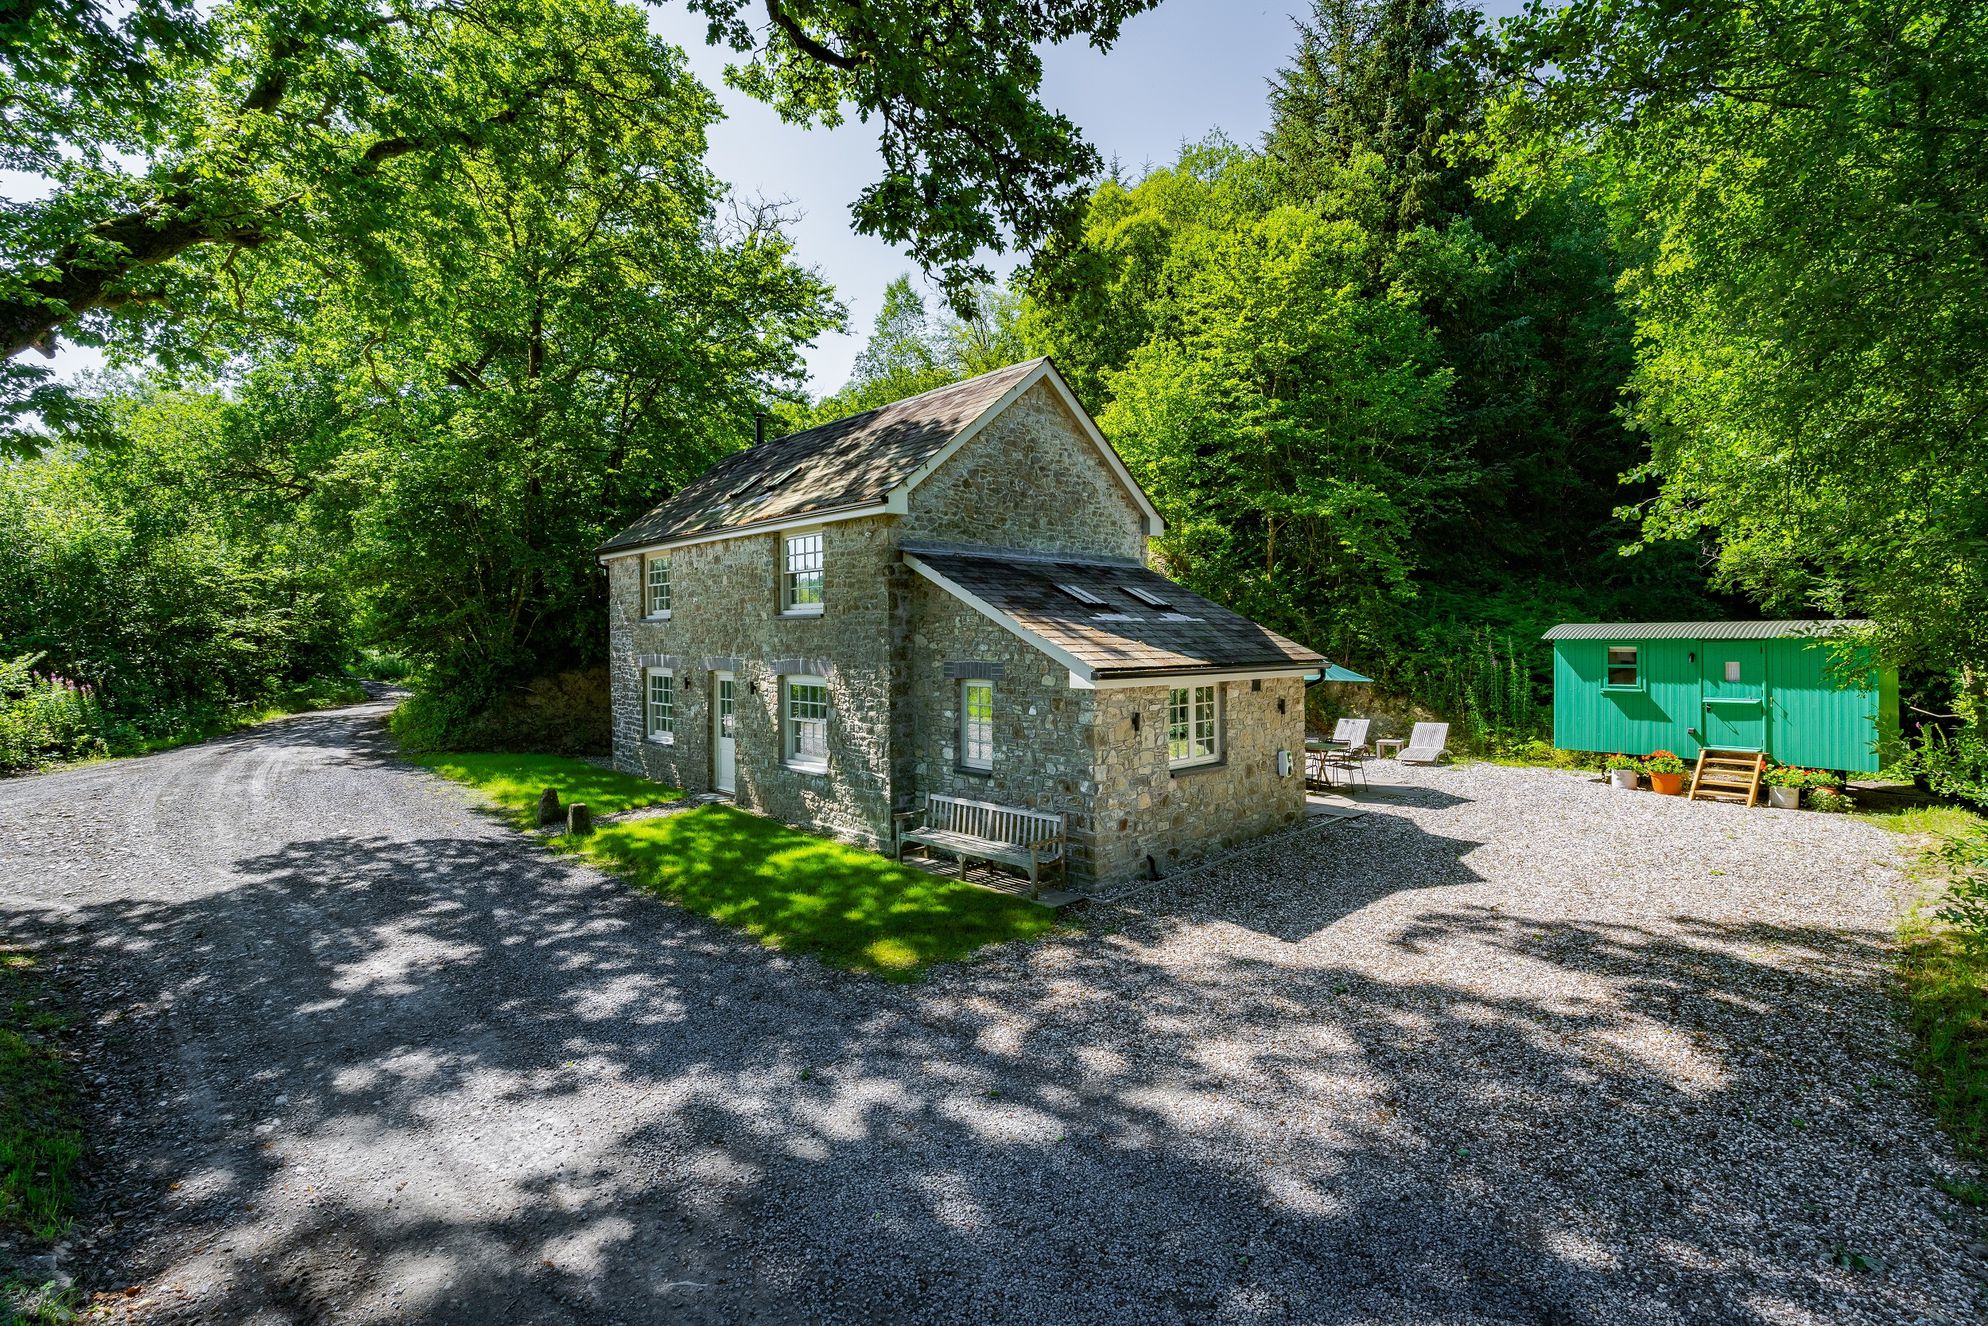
{"x": 579, "y": 820}
{"x": 548, "y": 807}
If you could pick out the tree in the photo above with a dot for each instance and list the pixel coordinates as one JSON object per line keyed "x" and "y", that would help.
{"x": 1799, "y": 189}
{"x": 276, "y": 124}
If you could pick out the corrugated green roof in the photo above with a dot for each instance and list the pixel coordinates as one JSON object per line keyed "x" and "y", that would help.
{"x": 1700, "y": 630}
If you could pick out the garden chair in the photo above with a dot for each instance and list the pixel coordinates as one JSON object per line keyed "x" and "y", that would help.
{"x": 1351, "y": 733}
{"x": 1427, "y": 744}
{"x": 1350, "y": 762}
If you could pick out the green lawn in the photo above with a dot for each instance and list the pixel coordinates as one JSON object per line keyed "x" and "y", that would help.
{"x": 790, "y": 890}
{"x": 40, "y": 1143}
{"x": 514, "y": 782}
{"x": 1943, "y": 969}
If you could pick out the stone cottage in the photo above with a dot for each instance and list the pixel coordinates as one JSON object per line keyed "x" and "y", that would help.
{"x": 949, "y": 595}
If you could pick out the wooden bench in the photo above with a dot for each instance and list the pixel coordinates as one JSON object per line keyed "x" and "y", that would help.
{"x": 983, "y": 831}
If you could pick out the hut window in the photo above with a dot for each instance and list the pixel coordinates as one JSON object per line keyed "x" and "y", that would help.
{"x": 1732, "y": 669}
{"x": 1622, "y": 665}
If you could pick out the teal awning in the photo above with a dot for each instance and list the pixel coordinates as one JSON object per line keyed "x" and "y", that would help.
{"x": 1334, "y": 672}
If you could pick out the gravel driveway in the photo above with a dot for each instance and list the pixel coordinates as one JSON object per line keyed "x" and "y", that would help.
{"x": 1513, "y": 1047}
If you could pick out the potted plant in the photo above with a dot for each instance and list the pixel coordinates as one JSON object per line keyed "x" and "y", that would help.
{"x": 1666, "y": 772}
{"x": 1622, "y": 770}
{"x": 1784, "y": 786}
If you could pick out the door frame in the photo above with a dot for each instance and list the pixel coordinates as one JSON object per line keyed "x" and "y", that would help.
{"x": 1710, "y": 701}
{"x": 718, "y": 680}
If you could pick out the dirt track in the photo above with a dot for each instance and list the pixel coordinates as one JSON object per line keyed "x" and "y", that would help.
{"x": 369, "y": 1057}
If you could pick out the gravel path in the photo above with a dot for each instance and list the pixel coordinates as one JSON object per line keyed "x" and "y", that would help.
{"x": 1512, "y": 1048}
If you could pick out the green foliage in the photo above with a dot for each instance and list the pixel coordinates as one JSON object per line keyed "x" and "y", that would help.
{"x": 1952, "y": 764}
{"x": 1830, "y": 800}
{"x": 566, "y": 713}
{"x": 1798, "y": 189}
{"x": 790, "y": 890}
{"x": 1376, "y": 407}
{"x": 1662, "y": 762}
{"x": 1944, "y": 970}
{"x": 40, "y": 1142}
{"x": 1615, "y": 762}
{"x": 44, "y": 718}
{"x": 188, "y": 144}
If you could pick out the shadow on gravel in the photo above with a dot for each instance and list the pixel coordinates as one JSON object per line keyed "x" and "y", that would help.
{"x": 480, "y": 1081}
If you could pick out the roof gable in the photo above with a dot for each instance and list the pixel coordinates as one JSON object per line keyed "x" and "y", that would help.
{"x": 859, "y": 465}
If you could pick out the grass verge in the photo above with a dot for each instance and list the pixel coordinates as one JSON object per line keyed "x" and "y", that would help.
{"x": 1943, "y": 969}
{"x": 40, "y": 1142}
{"x": 790, "y": 890}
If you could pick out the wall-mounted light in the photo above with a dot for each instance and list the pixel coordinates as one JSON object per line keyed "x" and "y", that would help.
{"x": 1135, "y": 720}
{"x": 1280, "y": 704}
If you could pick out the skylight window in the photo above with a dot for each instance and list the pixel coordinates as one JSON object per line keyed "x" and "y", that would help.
{"x": 782, "y": 477}
{"x": 1082, "y": 595}
{"x": 1150, "y": 600}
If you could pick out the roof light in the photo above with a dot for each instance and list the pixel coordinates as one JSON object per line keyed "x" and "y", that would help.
{"x": 1082, "y": 595}
{"x": 1150, "y": 600}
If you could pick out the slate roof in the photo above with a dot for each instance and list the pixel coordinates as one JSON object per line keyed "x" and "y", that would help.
{"x": 850, "y": 462}
{"x": 1123, "y": 636}
{"x": 1774, "y": 630}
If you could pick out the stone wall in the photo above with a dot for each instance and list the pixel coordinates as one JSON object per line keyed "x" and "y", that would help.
{"x": 1042, "y": 748}
{"x": 724, "y": 600}
{"x": 1030, "y": 479}
{"x": 1145, "y": 809}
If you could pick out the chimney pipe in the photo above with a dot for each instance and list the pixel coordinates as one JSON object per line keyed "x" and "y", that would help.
{"x": 758, "y": 427}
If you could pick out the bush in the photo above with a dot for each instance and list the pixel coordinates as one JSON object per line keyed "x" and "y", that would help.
{"x": 568, "y": 713}
{"x": 43, "y": 719}
{"x": 1952, "y": 765}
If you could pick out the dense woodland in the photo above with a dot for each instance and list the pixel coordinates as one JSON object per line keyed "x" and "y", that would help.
{"x": 1617, "y": 310}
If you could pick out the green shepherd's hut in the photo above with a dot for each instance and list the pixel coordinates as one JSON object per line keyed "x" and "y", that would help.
{"x": 1777, "y": 687}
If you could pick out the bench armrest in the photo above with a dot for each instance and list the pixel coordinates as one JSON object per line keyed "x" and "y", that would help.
{"x": 900, "y": 816}
{"x": 1040, "y": 844}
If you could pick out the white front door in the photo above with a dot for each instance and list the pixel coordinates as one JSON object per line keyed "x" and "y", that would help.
{"x": 724, "y": 747}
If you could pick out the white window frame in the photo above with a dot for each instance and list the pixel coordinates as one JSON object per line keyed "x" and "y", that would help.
{"x": 791, "y": 731}
{"x": 976, "y": 738}
{"x": 1200, "y": 727}
{"x": 791, "y": 604}
{"x": 1609, "y": 667}
{"x": 662, "y": 732}
{"x": 650, "y": 565}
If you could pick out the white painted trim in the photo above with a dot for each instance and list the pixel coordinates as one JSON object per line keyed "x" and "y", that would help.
{"x": 806, "y": 521}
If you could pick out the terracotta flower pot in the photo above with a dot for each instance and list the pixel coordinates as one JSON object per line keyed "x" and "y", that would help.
{"x": 1624, "y": 778}
{"x": 1667, "y": 784}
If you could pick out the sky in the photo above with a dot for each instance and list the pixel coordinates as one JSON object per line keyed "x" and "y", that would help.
{"x": 1177, "y": 73}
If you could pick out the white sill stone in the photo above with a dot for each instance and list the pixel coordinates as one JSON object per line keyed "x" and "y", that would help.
{"x": 657, "y": 617}
{"x": 662, "y": 738}
{"x": 797, "y": 767}
{"x": 808, "y": 610}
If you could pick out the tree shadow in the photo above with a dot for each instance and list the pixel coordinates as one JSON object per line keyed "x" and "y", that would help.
{"x": 452, "y": 1079}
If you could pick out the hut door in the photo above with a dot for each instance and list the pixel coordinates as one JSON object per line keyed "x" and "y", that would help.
{"x": 1735, "y": 693}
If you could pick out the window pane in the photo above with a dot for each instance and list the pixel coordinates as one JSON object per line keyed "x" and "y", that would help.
{"x": 1622, "y": 665}
{"x": 803, "y": 580}
{"x": 662, "y": 703}
{"x": 1177, "y": 725}
{"x": 1204, "y": 722}
{"x": 1732, "y": 669}
{"x": 977, "y": 724}
{"x": 726, "y": 707}
{"x": 659, "y": 585}
{"x": 807, "y": 721}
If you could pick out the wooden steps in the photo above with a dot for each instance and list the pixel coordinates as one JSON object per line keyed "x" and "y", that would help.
{"x": 1728, "y": 775}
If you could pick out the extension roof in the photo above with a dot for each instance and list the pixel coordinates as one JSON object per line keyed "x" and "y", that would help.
{"x": 1775, "y": 630}
{"x": 1121, "y": 638}
{"x": 862, "y": 465}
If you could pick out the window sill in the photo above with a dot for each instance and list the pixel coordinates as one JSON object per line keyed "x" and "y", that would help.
{"x": 1622, "y": 690}
{"x": 968, "y": 771}
{"x": 793, "y": 766}
{"x": 800, "y": 612}
{"x": 1189, "y": 770}
{"x": 657, "y": 617}
{"x": 661, "y": 739}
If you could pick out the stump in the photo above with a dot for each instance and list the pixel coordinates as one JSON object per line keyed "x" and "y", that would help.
{"x": 548, "y": 807}
{"x": 579, "y": 820}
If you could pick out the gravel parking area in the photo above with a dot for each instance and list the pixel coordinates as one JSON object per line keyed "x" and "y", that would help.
{"x": 1512, "y": 1047}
